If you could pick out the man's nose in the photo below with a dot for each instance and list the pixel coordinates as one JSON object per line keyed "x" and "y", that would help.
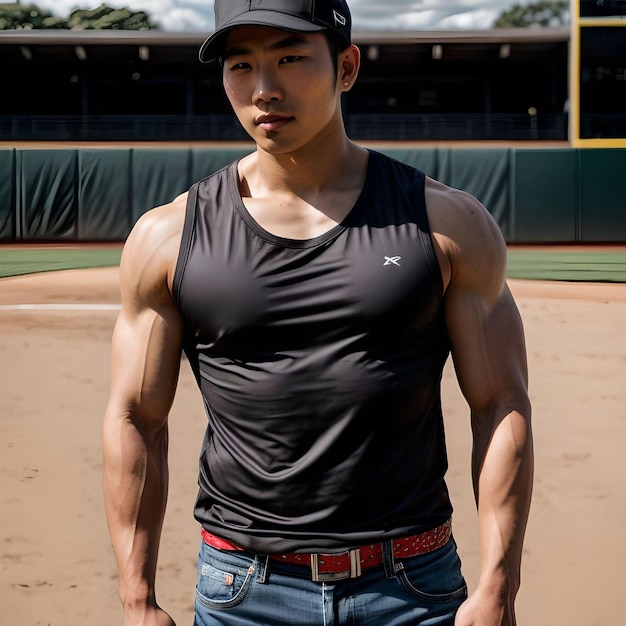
{"x": 267, "y": 88}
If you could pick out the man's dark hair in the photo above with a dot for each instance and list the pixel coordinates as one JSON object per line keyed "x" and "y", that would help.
{"x": 336, "y": 45}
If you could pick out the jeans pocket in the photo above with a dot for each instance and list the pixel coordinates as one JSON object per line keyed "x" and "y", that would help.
{"x": 435, "y": 577}
{"x": 224, "y": 578}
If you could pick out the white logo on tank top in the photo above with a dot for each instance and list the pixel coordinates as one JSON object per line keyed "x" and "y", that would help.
{"x": 392, "y": 260}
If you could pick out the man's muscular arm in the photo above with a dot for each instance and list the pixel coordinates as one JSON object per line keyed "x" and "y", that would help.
{"x": 145, "y": 362}
{"x": 489, "y": 354}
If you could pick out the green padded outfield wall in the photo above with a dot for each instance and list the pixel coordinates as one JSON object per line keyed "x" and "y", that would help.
{"x": 7, "y": 194}
{"x": 545, "y": 199}
{"x": 535, "y": 195}
{"x": 104, "y": 195}
{"x": 602, "y": 199}
{"x": 158, "y": 177}
{"x": 205, "y": 161}
{"x": 47, "y": 198}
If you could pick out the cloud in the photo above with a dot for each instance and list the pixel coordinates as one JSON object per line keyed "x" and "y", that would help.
{"x": 426, "y": 14}
{"x": 174, "y": 15}
{"x": 197, "y": 15}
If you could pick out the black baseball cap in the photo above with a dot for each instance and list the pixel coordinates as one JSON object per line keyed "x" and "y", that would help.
{"x": 304, "y": 16}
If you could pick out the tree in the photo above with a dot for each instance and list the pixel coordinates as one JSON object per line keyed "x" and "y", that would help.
{"x": 543, "y": 13}
{"x": 105, "y": 17}
{"x": 17, "y": 16}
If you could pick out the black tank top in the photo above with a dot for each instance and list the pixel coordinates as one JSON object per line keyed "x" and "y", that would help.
{"x": 319, "y": 362}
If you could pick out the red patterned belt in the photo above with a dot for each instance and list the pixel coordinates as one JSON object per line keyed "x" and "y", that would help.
{"x": 348, "y": 564}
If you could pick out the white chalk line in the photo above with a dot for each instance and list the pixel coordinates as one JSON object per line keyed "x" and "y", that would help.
{"x": 60, "y": 307}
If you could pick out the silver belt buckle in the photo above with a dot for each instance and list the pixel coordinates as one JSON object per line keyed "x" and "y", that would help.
{"x": 353, "y": 572}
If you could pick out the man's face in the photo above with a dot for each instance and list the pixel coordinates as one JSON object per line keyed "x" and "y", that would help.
{"x": 281, "y": 85}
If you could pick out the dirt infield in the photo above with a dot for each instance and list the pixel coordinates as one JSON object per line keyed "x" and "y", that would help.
{"x": 56, "y": 565}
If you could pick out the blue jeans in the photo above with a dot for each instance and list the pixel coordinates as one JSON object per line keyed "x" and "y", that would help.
{"x": 239, "y": 588}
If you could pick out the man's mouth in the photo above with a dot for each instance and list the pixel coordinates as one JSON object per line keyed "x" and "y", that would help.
{"x": 271, "y": 121}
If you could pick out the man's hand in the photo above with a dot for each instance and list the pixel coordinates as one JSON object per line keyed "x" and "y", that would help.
{"x": 486, "y": 609}
{"x": 147, "y": 616}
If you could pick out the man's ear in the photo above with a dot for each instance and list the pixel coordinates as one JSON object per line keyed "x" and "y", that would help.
{"x": 349, "y": 63}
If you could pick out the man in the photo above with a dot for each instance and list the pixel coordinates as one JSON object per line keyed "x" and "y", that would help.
{"x": 317, "y": 289}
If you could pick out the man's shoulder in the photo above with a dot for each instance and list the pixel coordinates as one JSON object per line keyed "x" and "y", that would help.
{"x": 456, "y": 211}
{"x": 465, "y": 230}
{"x": 161, "y": 221}
{"x": 154, "y": 240}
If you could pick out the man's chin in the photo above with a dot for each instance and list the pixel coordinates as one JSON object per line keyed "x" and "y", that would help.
{"x": 274, "y": 144}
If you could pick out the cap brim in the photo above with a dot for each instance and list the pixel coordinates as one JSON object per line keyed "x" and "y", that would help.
{"x": 212, "y": 48}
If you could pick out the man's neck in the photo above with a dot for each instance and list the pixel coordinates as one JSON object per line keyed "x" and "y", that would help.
{"x": 300, "y": 196}
{"x": 322, "y": 165}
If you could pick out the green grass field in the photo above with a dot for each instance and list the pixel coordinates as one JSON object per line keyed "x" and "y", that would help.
{"x": 527, "y": 263}
{"x": 17, "y": 261}
{"x": 579, "y": 265}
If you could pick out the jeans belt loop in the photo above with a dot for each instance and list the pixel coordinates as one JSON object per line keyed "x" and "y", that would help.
{"x": 389, "y": 560}
{"x": 264, "y": 570}
{"x": 355, "y": 568}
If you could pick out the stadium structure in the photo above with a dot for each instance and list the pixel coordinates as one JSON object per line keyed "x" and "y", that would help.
{"x": 97, "y": 127}
{"x": 499, "y": 84}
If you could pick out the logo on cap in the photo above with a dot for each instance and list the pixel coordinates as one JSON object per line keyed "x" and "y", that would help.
{"x": 339, "y": 19}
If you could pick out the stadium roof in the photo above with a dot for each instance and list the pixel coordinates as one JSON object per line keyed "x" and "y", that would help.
{"x": 165, "y": 38}
{"x": 48, "y": 46}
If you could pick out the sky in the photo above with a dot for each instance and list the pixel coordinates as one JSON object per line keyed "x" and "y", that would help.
{"x": 197, "y": 15}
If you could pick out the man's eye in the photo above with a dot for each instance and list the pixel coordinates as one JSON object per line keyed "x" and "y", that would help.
{"x": 289, "y": 59}
{"x": 239, "y": 66}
